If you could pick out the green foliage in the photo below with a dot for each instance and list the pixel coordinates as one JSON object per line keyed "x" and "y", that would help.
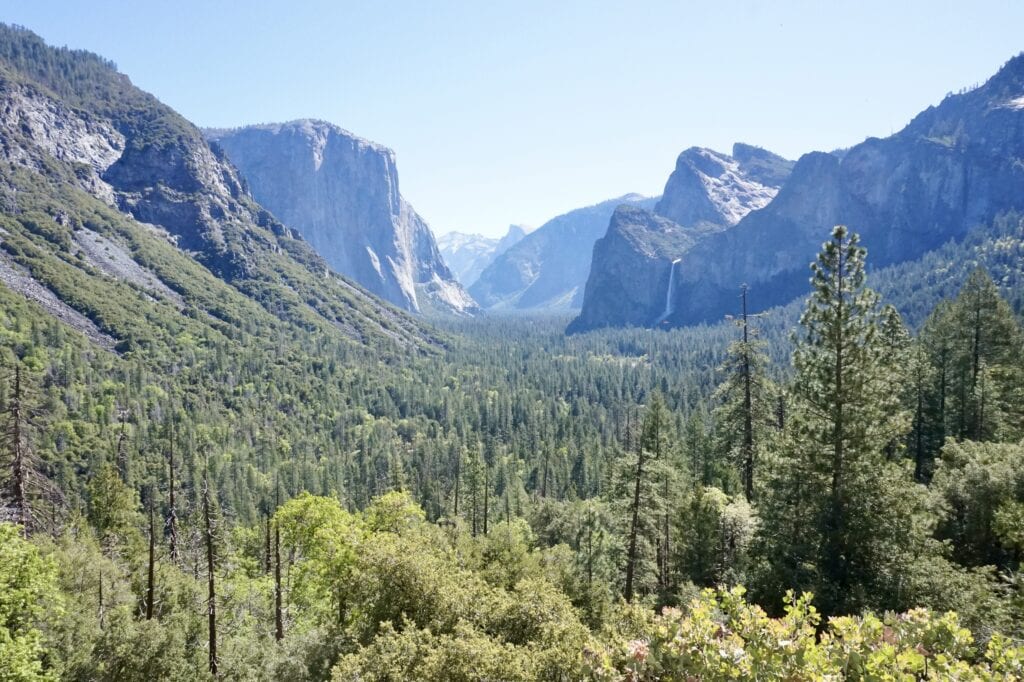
{"x": 721, "y": 637}
{"x": 839, "y": 517}
{"x": 979, "y": 487}
{"x": 27, "y": 586}
{"x": 714, "y": 533}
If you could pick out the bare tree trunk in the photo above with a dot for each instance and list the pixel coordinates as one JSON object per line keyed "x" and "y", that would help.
{"x": 458, "y": 480}
{"x": 122, "y": 447}
{"x": 267, "y": 562}
{"x": 172, "y": 513}
{"x": 151, "y": 574}
{"x": 487, "y": 494}
{"x": 278, "y": 611}
{"x": 210, "y": 574}
{"x": 19, "y": 465}
{"x": 100, "y": 609}
{"x": 634, "y": 527}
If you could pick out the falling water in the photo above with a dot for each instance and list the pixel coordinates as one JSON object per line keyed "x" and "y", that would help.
{"x": 669, "y": 308}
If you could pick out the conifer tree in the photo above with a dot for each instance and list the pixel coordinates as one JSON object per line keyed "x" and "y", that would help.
{"x": 745, "y": 413}
{"x": 840, "y": 516}
{"x": 25, "y": 487}
{"x": 211, "y": 579}
{"x": 988, "y": 367}
{"x": 151, "y": 564}
{"x": 640, "y": 487}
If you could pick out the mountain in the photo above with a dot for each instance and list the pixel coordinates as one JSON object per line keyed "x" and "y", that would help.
{"x": 341, "y": 193}
{"x": 638, "y": 256}
{"x": 119, "y": 219}
{"x": 710, "y": 189}
{"x": 548, "y": 268}
{"x": 954, "y": 167}
{"x": 468, "y": 254}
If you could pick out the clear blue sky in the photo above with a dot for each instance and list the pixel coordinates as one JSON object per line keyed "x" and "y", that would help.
{"x": 505, "y": 112}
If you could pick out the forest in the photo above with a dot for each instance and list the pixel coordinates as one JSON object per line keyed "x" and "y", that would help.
{"x": 830, "y": 490}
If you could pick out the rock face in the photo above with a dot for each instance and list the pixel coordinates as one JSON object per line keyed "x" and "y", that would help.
{"x": 637, "y": 258}
{"x": 712, "y": 190}
{"x": 548, "y": 268}
{"x": 956, "y": 166}
{"x": 341, "y": 193}
{"x": 468, "y": 254}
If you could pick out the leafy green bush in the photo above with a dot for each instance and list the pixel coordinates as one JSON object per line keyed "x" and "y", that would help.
{"x": 720, "y": 637}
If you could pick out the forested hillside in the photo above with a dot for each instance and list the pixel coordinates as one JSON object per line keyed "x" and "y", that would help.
{"x": 520, "y": 506}
{"x": 220, "y": 460}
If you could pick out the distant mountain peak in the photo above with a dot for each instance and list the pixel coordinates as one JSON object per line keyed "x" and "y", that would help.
{"x": 467, "y": 255}
{"x": 547, "y": 269}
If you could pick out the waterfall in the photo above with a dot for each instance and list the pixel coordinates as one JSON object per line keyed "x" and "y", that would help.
{"x": 669, "y": 307}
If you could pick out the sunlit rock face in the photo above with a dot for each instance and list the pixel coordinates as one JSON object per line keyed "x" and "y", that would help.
{"x": 956, "y": 166}
{"x": 341, "y": 193}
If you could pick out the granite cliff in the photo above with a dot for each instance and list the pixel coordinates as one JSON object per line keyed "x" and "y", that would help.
{"x": 954, "y": 167}
{"x": 341, "y": 193}
{"x": 107, "y": 195}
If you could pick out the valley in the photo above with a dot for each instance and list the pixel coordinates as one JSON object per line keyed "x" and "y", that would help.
{"x": 257, "y": 422}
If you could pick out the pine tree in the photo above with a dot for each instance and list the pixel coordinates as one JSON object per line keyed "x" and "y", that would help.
{"x": 846, "y": 510}
{"x": 988, "y": 338}
{"x": 172, "y": 512}
{"x": 933, "y": 376}
{"x": 895, "y": 357}
{"x": 641, "y": 487}
{"x": 25, "y": 487}
{"x": 211, "y": 577}
{"x": 745, "y": 415}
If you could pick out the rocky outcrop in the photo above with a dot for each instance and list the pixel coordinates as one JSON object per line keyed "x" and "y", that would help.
{"x": 341, "y": 193}
{"x": 548, "y": 268}
{"x": 636, "y": 260}
{"x": 712, "y": 190}
{"x": 468, "y": 254}
{"x": 955, "y": 166}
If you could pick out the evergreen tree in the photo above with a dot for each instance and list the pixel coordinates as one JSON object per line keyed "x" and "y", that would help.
{"x": 987, "y": 362}
{"x": 640, "y": 494}
{"x": 25, "y": 488}
{"x": 745, "y": 414}
{"x": 842, "y": 515}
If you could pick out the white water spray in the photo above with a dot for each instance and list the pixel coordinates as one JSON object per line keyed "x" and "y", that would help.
{"x": 669, "y": 304}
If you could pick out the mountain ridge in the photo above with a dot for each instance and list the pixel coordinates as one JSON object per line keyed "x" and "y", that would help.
{"x": 88, "y": 159}
{"x": 956, "y": 165}
{"x": 467, "y": 255}
{"x": 548, "y": 268}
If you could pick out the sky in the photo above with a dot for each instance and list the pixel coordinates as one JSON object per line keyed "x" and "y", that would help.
{"x": 515, "y": 112}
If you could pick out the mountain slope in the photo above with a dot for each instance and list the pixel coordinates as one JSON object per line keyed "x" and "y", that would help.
{"x": 468, "y": 254}
{"x": 341, "y": 193}
{"x": 110, "y": 196}
{"x": 548, "y": 268}
{"x": 955, "y": 166}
